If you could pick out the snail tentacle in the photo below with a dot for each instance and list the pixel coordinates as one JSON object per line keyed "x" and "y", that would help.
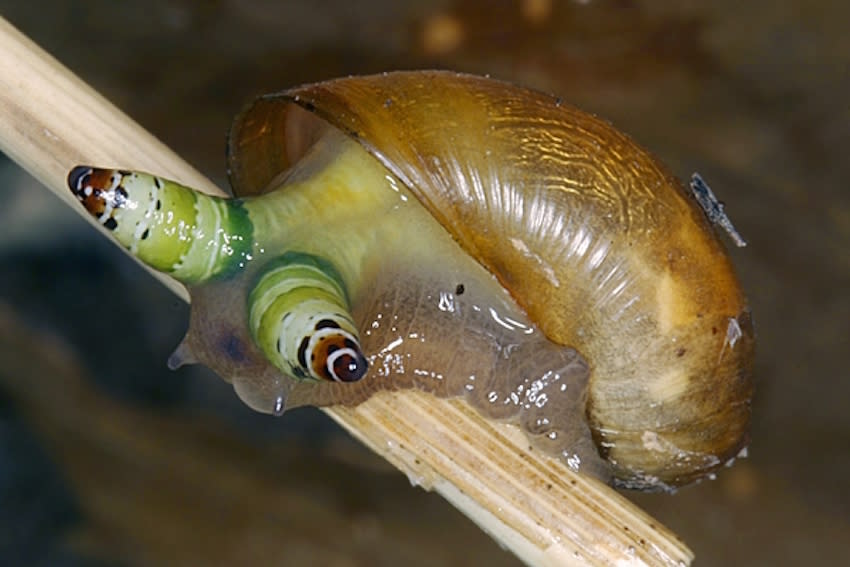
{"x": 298, "y": 315}
{"x": 299, "y": 305}
{"x": 174, "y": 229}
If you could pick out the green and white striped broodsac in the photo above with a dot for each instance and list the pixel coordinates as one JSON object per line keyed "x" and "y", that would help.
{"x": 338, "y": 284}
{"x": 298, "y": 306}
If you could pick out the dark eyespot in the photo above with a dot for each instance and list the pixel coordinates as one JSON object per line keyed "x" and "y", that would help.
{"x": 146, "y": 233}
{"x": 110, "y": 223}
{"x": 459, "y": 289}
{"x": 327, "y": 324}
{"x": 78, "y": 178}
{"x": 349, "y": 368}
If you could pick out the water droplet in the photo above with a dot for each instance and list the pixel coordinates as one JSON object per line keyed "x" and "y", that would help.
{"x": 447, "y": 302}
{"x": 279, "y": 406}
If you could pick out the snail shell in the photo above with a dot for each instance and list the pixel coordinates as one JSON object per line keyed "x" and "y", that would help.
{"x": 558, "y": 264}
{"x": 593, "y": 238}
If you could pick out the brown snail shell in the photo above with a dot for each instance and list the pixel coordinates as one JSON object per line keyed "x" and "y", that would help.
{"x": 590, "y": 234}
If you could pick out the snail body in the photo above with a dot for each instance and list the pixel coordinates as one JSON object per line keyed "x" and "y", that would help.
{"x": 470, "y": 238}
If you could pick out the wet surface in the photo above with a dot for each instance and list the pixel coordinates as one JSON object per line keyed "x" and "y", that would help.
{"x": 168, "y": 467}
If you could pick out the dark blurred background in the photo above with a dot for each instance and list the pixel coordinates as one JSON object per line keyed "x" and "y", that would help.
{"x": 106, "y": 458}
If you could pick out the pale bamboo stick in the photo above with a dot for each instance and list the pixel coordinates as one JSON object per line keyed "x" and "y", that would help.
{"x": 50, "y": 121}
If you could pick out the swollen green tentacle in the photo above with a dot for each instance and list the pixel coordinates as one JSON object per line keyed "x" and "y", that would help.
{"x": 299, "y": 317}
{"x": 191, "y": 236}
{"x": 298, "y": 310}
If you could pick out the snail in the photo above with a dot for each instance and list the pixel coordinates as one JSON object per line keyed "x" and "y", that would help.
{"x": 466, "y": 237}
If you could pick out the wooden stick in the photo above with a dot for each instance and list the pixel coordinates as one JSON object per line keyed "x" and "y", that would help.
{"x": 534, "y": 505}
